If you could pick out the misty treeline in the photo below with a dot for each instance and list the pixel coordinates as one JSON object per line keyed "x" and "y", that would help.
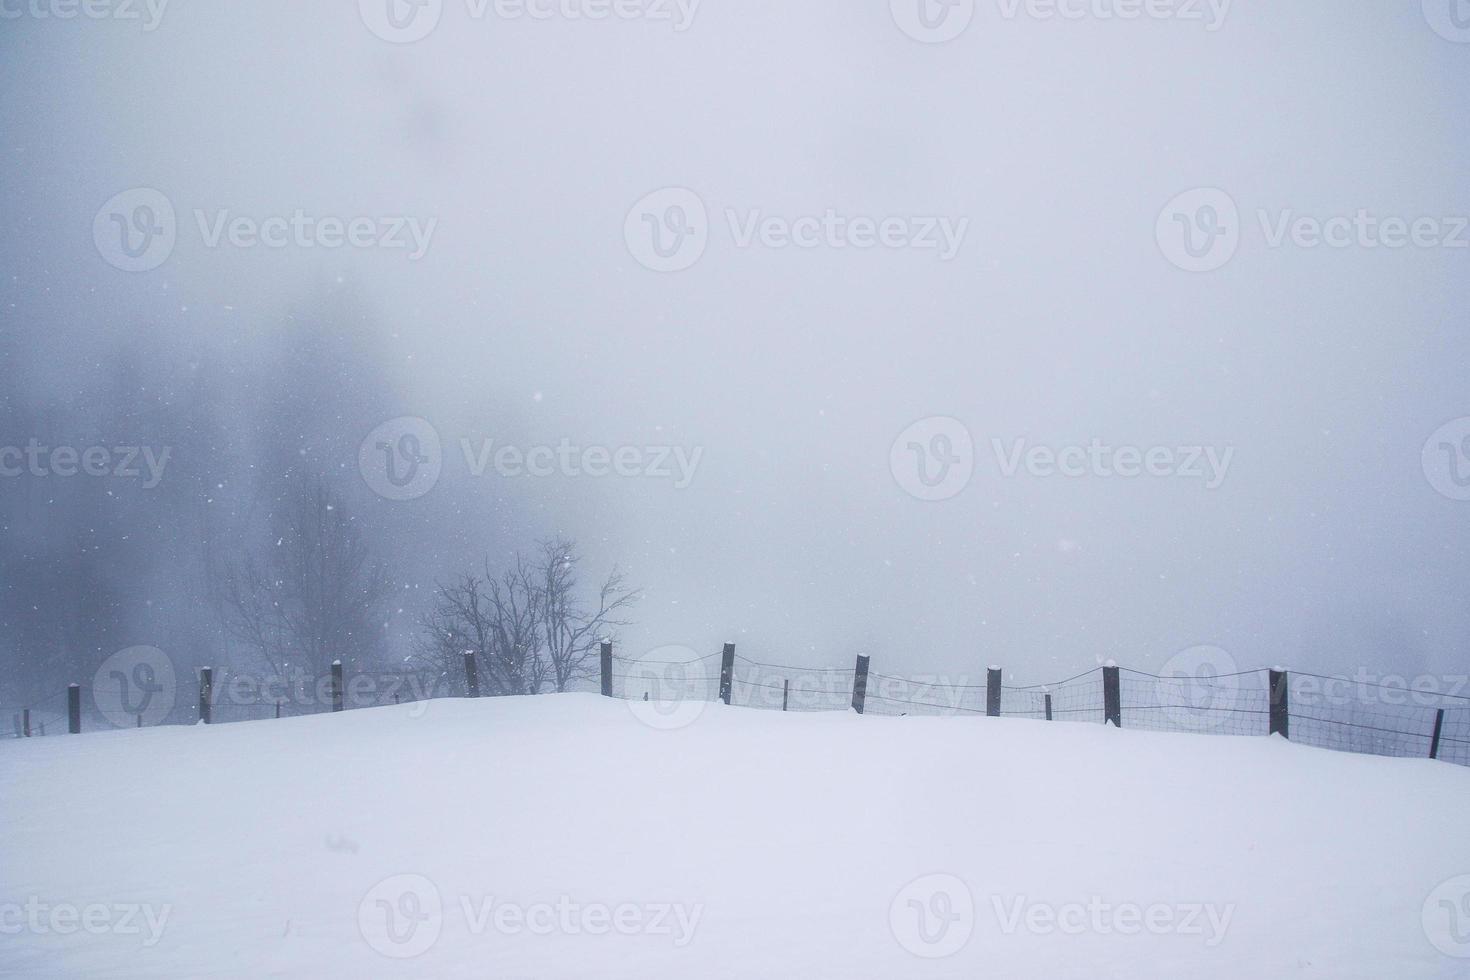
{"x": 260, "y": 549}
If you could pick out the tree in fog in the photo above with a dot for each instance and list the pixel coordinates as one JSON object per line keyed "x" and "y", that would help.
{"x": 571, "y": 628}
{"x": 315, "y": 595}
{"x": 527, "y": 626}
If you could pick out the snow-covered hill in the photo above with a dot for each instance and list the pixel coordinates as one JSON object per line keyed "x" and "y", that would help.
{"x": 569, "y": 837}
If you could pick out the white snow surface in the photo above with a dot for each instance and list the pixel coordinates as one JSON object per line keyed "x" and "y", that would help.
{"x": 790, "y": 844}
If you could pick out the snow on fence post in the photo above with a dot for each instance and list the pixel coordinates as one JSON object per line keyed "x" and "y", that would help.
{"x": 992, "y": 692}
{"x": 860, "y": 684}
{"x": 1280, "y": 704}
{"x": 727, "y": 671}
{"x": 74, "y": 708}
{"x": 1438, "y": 730}
{"x": 336, "y": 685}
{"x": 206, "y": 694}
{"x": 1048, "y": 706}
{"x": 786, "y": 693}
{"x": 606, "y": 669}
{"x": 1112, "y": 698}
{"x": 471, "y": 676}
{"x": 16, "y": 719}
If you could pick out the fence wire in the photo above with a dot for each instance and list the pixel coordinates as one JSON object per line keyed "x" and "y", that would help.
{"x": 1328, "y": 712}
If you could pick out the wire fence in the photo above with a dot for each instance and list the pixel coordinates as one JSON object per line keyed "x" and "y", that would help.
{"x": 1328, "y": 712}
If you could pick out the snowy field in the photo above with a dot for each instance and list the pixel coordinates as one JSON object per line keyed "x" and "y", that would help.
{"x": 569, "y": 837}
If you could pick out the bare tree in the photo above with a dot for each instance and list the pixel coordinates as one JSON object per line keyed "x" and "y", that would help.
{"x": 314, "y": 597}
{"x": 570, "y": 630}
{"x": 526, "y": 626}
{"x": 493, "y": 617}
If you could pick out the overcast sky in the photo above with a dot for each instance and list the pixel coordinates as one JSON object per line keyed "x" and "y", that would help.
{"x": 1051, "y": 151}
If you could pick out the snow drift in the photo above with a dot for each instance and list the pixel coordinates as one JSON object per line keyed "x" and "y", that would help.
{"x": 575, "y": 836}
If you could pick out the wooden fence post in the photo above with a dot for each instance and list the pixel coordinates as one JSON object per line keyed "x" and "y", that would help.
{"x": 336, "y": 685}
{"x": 1112, "y": 698}
{"x": 74, "y": 708}
{"x": 206, "y": 695}
{"x": 786, "y": 693}
{"x": 1048, "y": 706}
{"x": 992, "y": 692}
{"x": 860, "y": 684}
{"x": 25, "y": 717}
{"x": 1438, "y": 730}
{"x": 607, "y": 669}
{"x": 278, "y": 710}
{"x": 471, "y": 676}
{"x": 1280, "y": 714}
{"x": 727, "y": 672}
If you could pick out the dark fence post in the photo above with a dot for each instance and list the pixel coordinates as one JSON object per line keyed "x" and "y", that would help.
{"x": 607, "y": 670}
{"x": 74, "y": 708}
{"x": 1048, "y": 707}
{"x": 1438, "y": 729}
{"x": 860, "y": 684}
{"x": 992, "y": 692}
{"x": 786, "y": 693}
{"x": 278, "y": 710}
{"x": 1112, "y": 698}
{"x": 336, "y": 685}
{"x": 206, "y": 694}
{"x": 727, "y": 671}
{"x": 471, "y": 676}
{"x": 1280, "y": 704}
{"x": 25, "y": 717}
